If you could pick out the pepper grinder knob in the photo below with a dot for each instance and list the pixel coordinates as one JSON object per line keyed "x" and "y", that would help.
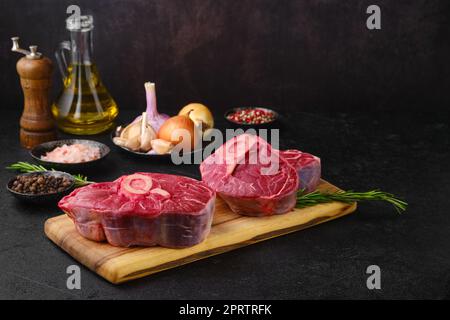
{"x": 15, "y": 41}
{"x": 32, "y": 54}
{"x": 33, "y": 51}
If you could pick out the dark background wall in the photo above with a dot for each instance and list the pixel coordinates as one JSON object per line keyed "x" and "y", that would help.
{"x": 290, "y": 54}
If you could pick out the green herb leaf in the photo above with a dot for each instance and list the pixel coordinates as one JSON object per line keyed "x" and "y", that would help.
{"x": 318, "y": 197}
{"x": 25, "y": 167}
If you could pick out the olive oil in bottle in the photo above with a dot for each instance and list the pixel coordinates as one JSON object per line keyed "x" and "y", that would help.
{"x": 84, "y": 105}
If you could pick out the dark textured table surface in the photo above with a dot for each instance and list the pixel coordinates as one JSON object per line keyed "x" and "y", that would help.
{"x": 406, "y": 154}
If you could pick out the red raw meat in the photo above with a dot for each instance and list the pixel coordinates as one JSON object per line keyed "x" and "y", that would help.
{"x": 307, "y": 166}
{"x": 251, "y": 177}
{"x": 143, "y": 209}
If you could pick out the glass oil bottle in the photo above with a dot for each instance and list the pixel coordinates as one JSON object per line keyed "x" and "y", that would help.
{"x": 84, "y": 106}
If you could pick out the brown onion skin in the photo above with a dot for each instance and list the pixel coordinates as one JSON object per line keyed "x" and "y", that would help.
{"x": 177, "y": 122}
{"x": 199, "y": 112}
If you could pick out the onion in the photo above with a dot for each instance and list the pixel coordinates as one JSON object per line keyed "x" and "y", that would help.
{"x": 176, "y": 129}
{"x": 137, "y": 184}
{"x": 200, "y": 114}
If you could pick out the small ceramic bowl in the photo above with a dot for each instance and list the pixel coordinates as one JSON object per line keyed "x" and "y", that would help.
{"x": 266, "y": 125}
{"x": 45, "y": 197}
{"x": 43, "y": 148}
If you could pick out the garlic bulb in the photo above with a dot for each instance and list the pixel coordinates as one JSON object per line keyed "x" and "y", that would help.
{"x": 154, "y": 118}
{"x": 137, "y": 136}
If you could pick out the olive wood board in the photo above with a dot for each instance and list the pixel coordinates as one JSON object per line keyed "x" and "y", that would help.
{"x": 229, "y": 231}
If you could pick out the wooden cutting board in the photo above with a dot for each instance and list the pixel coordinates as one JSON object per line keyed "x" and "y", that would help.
{"x": 229, "y": 231}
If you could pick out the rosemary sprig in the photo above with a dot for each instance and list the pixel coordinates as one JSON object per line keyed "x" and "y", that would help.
{"x": 21, "y": 166}
{"x": 318, "y": 197}
{"x": 303, "y": 200}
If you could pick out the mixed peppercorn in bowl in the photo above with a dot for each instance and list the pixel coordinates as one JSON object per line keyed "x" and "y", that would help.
{"x": 251, "y": 116}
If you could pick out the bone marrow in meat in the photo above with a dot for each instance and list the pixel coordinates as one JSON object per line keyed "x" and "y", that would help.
{"x": 143, "y": 209}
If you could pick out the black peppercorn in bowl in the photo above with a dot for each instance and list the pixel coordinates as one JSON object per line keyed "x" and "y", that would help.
{"x": 41, "y": 187}
{"x": 252, "y": 118}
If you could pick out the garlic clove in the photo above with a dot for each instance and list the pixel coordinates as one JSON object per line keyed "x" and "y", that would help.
{"x": 118, "y": 130}
{"x": 133, "y": 143}
{"x": 119, "y": 141}
{"x": 131, "y": 131}
{"x": 147, "y": 134}
{"x": 137, "y": 136}
{"x": 161, "y": 146}
{"x": 146, "y": 138}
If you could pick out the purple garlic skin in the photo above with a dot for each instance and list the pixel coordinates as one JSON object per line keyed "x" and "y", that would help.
{"x": 154, "y": 118}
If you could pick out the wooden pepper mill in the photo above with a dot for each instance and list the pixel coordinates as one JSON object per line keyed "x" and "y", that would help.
{"x": 35, "y": 71}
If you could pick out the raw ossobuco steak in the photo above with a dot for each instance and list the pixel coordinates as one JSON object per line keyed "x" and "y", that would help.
{"x": 143, "y": 209}
{"x": 251, "y": 177}
{"x": 307, "y": 166}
